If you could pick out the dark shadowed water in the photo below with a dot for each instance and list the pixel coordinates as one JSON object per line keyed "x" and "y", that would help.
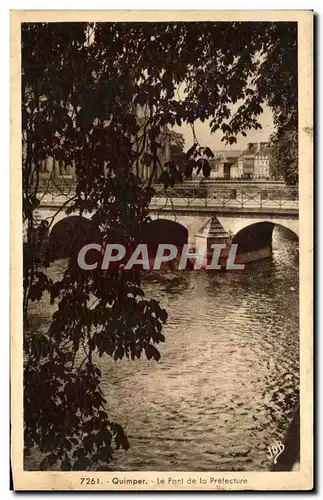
{"x": 227, "y": 381}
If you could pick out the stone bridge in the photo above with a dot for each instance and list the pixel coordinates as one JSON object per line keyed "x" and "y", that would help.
{"x": 247, "y": 219}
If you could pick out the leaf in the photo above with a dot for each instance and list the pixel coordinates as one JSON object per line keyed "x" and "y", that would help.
{"x": 66, "y": 465}
{"x": 48, "y": 461}
{"x": 225, "y": 128}
{"x": 88, "y": 443}
{"x": 152, "y": 352}
{"x": 105, "y": 454}
{"x": 191, "y": 150}
{"x": 206, "y": 169}
{"x": 199, "y": 165}
{"x": 190, "y": 165}
{"x": 81, "y": 464}
{"x": 164, "y": 179}
{"x": 124, "y": 442}
{"x": 209, "y": 153}
{"x": 163, "y": 315}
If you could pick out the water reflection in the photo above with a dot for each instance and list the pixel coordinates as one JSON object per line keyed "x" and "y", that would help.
{"x": 228, "y": 378}
{"x": 227, "y": 381}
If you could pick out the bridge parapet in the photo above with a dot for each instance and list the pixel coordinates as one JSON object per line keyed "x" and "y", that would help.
{"x": 180, "y": 197}
{"x": 277, "y": 196}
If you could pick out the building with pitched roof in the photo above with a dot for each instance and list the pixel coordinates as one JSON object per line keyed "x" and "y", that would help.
{"x": 252, "y": 163}
{"x": 225, "y": 164}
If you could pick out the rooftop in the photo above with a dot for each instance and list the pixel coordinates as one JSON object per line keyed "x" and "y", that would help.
{"x": 256, "y": 148}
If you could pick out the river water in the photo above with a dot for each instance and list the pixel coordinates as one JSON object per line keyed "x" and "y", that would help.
{"x": 228, "y": 378}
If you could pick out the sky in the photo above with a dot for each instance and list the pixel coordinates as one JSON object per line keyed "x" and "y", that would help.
{"x": 213, "y": 141}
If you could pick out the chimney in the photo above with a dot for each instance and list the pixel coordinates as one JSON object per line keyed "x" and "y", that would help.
{"x": 258, "y": 147}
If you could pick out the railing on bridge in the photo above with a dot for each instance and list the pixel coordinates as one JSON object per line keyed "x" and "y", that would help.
{"x": 276, "y": 197}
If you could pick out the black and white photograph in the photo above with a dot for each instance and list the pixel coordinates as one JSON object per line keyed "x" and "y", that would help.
{"x": 162, "y": 178}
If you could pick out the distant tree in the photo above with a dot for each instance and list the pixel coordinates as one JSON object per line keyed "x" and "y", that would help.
{"x": 177, "y": 144}
{"x": 284, "y": 155}
{"x": 82, "y": 86}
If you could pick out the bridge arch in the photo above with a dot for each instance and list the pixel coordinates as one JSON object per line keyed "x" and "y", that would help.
{"x": 289, "y": 230}
{"x": 257, "y": 237}
{"x": 69, "y": 235}
{"x": 254, "y": 237}
{"x": 168, "y": 231}
{"x": 234, "y": 224}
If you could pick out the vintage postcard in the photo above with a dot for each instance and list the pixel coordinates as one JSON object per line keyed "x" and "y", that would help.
{"x": 162, "y": 250}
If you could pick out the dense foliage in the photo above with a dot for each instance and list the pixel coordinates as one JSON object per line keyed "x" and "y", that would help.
{"x": 99, "y": 97}
{"x": 284, "y": 155}
{"x": 177, "y": 144}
